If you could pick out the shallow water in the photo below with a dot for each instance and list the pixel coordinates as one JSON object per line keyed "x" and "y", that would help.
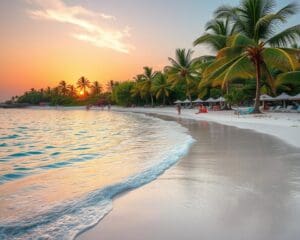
{"x": 233, "y": 184}
{"x": 60, "y": 168}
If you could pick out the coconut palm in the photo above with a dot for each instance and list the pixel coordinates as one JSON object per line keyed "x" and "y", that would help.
{"x": 63, "y": 87}
{"x": 183, "y": 71}
{"x": 96, "y": 88}
{"x": 83, "y": 84}
{"x": 72, "y": 90}
{"x": 137, "y": 90}
{"x": 48, "y": 90}
{"x": 245, "y": 58}
{"x": 110, "y": 85}
{"x": 217, "y": 31}
{"x": 161, "y": 87}
{"x": 148, "y": 77}
{"x": 258, "y": 20}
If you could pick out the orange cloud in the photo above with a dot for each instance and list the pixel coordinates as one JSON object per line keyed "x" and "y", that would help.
{"x": 79, "y": 16}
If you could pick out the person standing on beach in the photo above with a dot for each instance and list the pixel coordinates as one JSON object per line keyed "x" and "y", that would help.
{"x": 178, "y": 106}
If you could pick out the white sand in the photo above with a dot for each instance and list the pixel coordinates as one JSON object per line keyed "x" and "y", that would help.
{"x": 285, "y": 126}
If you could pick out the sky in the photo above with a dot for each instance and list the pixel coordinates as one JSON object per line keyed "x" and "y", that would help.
{"x": 45, "y": 41}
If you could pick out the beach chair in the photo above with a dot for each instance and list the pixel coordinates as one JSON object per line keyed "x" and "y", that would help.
{"x": 244, "y": 111}
{"x": 297, "y": 110}
{"x": 277, "y": 109}
{"x": 287, "y": 109}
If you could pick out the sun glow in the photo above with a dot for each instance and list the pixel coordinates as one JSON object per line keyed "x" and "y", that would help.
{"x": 81, "y": 93}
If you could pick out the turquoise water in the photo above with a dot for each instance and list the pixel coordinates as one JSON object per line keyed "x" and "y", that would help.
{"x": 61, "y": 168}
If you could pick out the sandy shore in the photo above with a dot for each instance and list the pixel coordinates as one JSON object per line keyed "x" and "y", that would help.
{"x": 233, "y": 184}
{"x": 285, "y": 126}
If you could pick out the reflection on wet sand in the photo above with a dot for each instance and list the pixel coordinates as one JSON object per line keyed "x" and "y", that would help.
{"x": 233, "y": 184}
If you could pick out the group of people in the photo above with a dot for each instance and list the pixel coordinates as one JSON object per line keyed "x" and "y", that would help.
{"x": 201, "y": 109}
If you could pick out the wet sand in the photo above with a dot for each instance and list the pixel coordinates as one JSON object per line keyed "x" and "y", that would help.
{"x": 234, "y": 184}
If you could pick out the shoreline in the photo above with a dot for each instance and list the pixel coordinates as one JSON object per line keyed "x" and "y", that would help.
{"x": 284, "y": 126}
{"x": 161, "y": 204}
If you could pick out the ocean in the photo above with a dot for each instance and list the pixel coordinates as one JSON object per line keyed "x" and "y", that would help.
{"x": 60, "y": 168}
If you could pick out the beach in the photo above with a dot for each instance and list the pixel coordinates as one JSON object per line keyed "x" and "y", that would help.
{"x": 285, "y": 126}
{"x": 233, "y": 184}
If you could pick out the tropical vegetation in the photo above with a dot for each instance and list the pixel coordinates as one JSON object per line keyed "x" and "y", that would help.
{"x": 253, "y": 54}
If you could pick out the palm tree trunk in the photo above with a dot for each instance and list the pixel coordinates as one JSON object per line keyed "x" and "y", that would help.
{"x": 151, "y": 99}
{"x": 258, "y": 83}
{"x": 164, "y": 100}
{"x": 190, "y": 98}
{"x": 228, "y": 105}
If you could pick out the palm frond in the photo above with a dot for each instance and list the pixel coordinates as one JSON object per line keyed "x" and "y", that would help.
{"x": 287, "y": 11}
{"x": 239, "y": 40}
{"x": 288, "y": 78}
{"x": 279, "y": 59}
{"x": 286, "y": 37}
{"x": 214, "y": 40}
{"x": 241, "y": 68}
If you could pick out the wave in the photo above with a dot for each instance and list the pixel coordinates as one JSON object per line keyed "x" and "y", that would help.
{"x": 71, "y": 218}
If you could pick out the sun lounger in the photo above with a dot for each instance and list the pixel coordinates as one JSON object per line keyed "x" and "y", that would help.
{"x": 244, "y": 111}
{"x": 271, "y": 109}
{"x": 277, "y": 109}
{"x": 287, "y": 109}
{"x": 297, "y": 110}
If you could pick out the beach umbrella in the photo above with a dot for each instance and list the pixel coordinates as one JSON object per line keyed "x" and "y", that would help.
{"x": 211, "y": 100}
{"x": 198, "y": 100}
{"x": 283, "y": 97}
{"x": 178, "y": 101}
{"x": 186, "y": 101}
{"x": 296, "y": 97}
{"x": 266, "y": 97}
{"x": 220, "y": 99}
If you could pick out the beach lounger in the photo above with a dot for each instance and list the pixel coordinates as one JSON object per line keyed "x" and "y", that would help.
{"x": 287, "y": 109}
{"x": 244, "y": 111}
{"x": 271, "y": 109}
{"x": 277, "y": 109}
{"x": 297, "y": 110}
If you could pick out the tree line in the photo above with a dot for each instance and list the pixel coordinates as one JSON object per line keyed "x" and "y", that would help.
{"x": 253, "y": 55}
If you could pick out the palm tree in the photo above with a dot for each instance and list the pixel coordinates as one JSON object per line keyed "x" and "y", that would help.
{"x": 97, "y": 88}
{"x": 83, "y": 83}
{"x": 148, "y": 77}
{"x": 258, "y": 20}
{"x": 110, "y": 85}
{"x": 48, "y": 90}
{"x": 217, "y": 31}
{"x": 244, "y": 58}
{"x": 72, "y": 90}
{"x": 63, "y": 87}
{"x": 137, "y": 91}
{"x": 161, "y": 87}
{"x": 183, "y": 71}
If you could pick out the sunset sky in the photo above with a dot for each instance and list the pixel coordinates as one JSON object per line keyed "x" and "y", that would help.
{"x": 45, "y": 41}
